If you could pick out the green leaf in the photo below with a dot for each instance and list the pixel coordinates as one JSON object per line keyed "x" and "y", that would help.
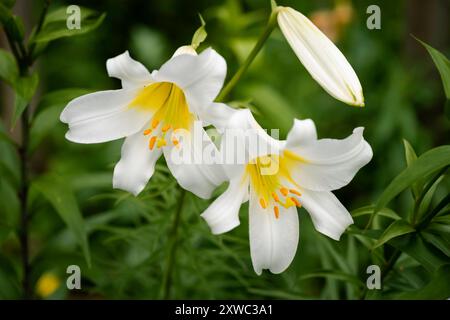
{"x": 426, "y": 201}
{"x": 438, "y": 241}
{"x": 437, "y": 288}
{"x": 395, "y": 229}
{"x": 25, "y": 88}
{"x": 426, "y": 164}
{"x": 200, "y": 34}
{"x": 13, "y": 25}
{"x": 442, "y": 64}
{"x": 55, "y": 24}
{"x": 366, "y": 210}
{"x": 61, "y": 196}
{"x": 410, "y": 156}
{"x": 424, "y": 253}
{"x": 337, "y": 275}
{"x": 8, "y": 67}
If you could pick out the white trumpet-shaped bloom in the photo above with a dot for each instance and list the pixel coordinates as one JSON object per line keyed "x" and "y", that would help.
{"x": 147, "y": 111}
{"x": 323, "y": 60}
{"x": 300, "y": 171}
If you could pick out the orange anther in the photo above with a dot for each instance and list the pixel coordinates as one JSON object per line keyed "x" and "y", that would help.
{"x": 275, "y": 197}
{"x": 297, "y": 203}
{"x": 152, "y": 142}
{"x": 284, "y": 191}
{"x": 155, "y": 123}
{"x": 165, "y": 128}
{"x": 295, "y": 192}
{"x": 276, "y": 210}
{"x": 147, "y": 132}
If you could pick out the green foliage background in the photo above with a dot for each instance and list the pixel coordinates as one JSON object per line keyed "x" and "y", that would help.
{"x": 128, "y": 247}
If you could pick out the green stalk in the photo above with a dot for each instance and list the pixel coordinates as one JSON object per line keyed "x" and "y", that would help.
{"x": 173, "y": 243}
{"x": 271, "y": 24}
{"x": 25, "y": 60}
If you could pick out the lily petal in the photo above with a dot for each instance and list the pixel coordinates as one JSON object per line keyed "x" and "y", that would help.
{"x": 328, "y": 214}
{"x": 187, "y": 164}
{"x": 329, "y": 164}
{"x": 184, "y": 50}
{"x": 131, "y": 72}
{"x": 223, "y": 214}
{"x": 273, "y": 242}
{"x": 136, "y": 165}
{"x": 302, "y": 132}
{"x": 199, "y": 76}
{"x": 217, "y": 114}
{"x": 103, "y": 116}
{"x": 323, "y": 60}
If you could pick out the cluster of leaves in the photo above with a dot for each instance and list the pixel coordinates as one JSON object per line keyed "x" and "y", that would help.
{"x": 145, "y": 247}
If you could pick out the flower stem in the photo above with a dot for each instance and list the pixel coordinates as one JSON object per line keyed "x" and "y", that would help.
{"x": 173, "y": 242}
{"x": 271, "y": 24}
{"x": 23, "y": 196}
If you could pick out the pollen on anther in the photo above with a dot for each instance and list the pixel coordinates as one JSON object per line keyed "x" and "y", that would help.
{"x": 297, "y": 203}
{"x": 262, "y": 202}
{"x": 152, "y": 142}
{"x": 276, "y": 210}
{"x": 295, "y": 192}
{"x": 284, "y": 191}
{"x": 165, "y": 128}
{"x": 147, "y": 132}
{"x": 155, "y": 123}
{"x": 275, "y": 197}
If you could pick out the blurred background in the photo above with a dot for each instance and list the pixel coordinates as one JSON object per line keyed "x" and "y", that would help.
{"x": 129, "y": 237}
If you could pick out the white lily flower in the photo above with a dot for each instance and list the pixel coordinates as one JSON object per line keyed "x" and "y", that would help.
{"x": 147, "y": 110}
{"x": 307, "y": 169}
{"x": 323, "y": 60}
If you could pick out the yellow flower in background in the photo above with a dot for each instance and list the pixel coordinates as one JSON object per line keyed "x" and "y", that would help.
{"x": 47, "y": 284}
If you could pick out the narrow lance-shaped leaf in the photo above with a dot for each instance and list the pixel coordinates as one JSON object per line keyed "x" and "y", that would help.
{"x": 59, "y": 194}
{"x": 410, "y": 156}
{"x": 395, "y": 229}
{"x": 25, "y": 88}
{"x": 8, "y": 67}
{"x": 56, "y": 23}
{"x": 437, "y": 288}
{"x": 427, "y": 163}
{"x": 442, "y": 64}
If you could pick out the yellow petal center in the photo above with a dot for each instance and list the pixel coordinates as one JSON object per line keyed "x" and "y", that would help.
{"x": 170, "y": 110}
{"x": 270, "y": 179}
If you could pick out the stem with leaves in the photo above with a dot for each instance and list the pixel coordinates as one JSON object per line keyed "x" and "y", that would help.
{"x": 173, "y": 243}
{"x": 24, "y": 59}
{"x": 271, "y": 24}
